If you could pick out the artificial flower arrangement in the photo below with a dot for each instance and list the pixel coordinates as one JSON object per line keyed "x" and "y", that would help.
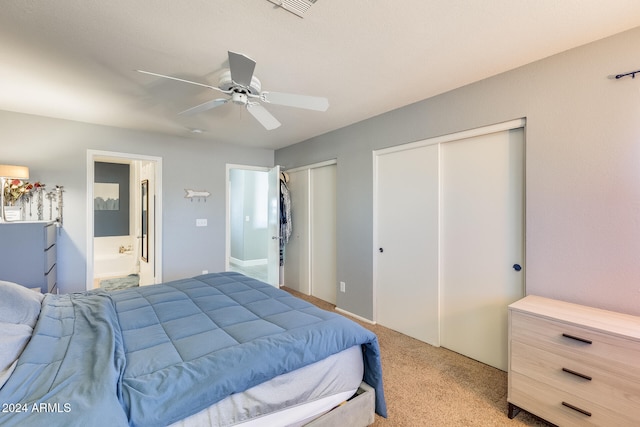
{"x": 15, "y": 188}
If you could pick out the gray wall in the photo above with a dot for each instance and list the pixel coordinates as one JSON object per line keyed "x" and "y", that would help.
{"x": 582, "y": 171}
{"x": 56, "y": 153}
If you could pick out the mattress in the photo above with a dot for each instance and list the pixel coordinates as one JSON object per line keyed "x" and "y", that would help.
{"x": 291, "y": 399}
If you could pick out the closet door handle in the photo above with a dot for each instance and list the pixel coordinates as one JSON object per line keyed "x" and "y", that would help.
{"x": 380, "y": 250}
{"x": 517, "y": 267}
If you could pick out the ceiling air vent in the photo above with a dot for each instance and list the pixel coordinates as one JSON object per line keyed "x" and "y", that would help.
{"x": 299, "y": 7}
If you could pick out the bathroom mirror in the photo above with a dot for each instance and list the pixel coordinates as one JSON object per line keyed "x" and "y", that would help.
{"x": 144, "y": 242}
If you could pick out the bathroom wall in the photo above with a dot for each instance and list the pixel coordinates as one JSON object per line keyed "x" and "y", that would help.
{"x": 113, "y": 220}
{"x": 111, "y": 199}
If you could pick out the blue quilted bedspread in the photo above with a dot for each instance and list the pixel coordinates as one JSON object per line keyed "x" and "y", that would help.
{"x": 153, "y": 355}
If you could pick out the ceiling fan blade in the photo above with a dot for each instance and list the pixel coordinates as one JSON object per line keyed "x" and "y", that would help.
{"x": 299, "y": 101}
{"x": 263, "y": 116}
{"x": 204, "y": 106}
{"x": 182, "y": 80}
{"x": 241, "y": 68}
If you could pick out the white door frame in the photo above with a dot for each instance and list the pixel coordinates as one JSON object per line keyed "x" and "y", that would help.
{"x": 498, "y": 127}
{"x": 92, "y": 155}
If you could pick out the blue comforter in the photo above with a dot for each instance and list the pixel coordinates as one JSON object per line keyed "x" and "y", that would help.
{"x": 153, "y": 355}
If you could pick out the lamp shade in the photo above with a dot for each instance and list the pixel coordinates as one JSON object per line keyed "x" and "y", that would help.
{"x": 11, "y": 171}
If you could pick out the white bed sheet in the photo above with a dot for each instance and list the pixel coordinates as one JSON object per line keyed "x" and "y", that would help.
{"x": 291, "y": 399}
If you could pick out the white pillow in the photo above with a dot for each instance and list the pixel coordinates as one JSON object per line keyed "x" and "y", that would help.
{"x": 18, "y": 304}
{"x": 13, "y": 339}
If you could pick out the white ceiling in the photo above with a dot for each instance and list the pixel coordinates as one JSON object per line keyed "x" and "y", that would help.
{"x": 76, "y": 59}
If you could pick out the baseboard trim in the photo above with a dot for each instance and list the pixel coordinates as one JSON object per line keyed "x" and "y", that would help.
{"x": 247, "y": 262}
{"x": 360, "y": 318}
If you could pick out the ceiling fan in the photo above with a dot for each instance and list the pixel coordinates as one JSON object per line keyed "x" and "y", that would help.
{"x": 243, "y": 88}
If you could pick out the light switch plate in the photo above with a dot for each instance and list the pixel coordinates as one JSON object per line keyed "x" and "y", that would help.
{"x": 201, "y": 222}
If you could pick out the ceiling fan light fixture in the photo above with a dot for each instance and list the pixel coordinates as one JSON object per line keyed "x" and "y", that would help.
{"x": 239, "y": 98}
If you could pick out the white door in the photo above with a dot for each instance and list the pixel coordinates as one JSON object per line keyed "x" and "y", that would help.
{"x": 273, "y": 234}
{"x": 406, "y": 252}
{"x": 481, "y": 242}
{"x": 323, "y": 233}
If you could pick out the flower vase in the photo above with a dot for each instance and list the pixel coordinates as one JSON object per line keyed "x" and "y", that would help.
{"x": 13, "y": 213}
{"x": 40, "y": 203}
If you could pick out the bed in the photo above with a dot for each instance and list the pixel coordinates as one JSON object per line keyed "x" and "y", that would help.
{"x": 217, "y": 349}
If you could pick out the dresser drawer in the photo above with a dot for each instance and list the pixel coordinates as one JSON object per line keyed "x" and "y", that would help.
{"x": 580, "y": 379}
{"x": 24, "y": 257}
{"x": 547, "y": 402}
{"x": 49, "y": 235}
{"x": 51, "y": 279}
{"x": 50, "y": 257}
{"x": 603, "y": 351}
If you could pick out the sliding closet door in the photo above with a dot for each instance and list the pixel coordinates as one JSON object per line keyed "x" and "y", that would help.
{"x": 297, "y": 274}
{"x": 481, "y": 242}
{"x": 310, "y": 255}
{"x": 323, "y": 233}
{"x": 406, "y": 253}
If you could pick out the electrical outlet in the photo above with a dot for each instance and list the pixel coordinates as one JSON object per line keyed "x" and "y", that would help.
{"x": 343, "y": 287}
{"x": 205, "y": 271}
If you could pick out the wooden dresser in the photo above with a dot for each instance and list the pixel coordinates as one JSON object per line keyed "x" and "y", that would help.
{"x": 28, "y": 254}
{"x": 573, "y": 365}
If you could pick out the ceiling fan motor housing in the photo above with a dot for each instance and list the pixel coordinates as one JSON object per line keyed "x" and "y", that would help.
{"x": 226, "y": 83}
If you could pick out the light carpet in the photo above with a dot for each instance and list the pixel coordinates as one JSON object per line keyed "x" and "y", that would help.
{"x": 433, "y": 386}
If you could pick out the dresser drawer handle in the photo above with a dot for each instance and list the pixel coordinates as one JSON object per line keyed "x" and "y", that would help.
{"x": 577, "y": 374}
{"x": 575, "y": 408}
{"x": 584, "y": 340}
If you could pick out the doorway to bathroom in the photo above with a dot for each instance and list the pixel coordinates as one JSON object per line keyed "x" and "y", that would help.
{"x": 124, "y": 209}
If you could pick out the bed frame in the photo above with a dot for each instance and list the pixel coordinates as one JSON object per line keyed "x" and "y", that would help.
{"x": 359, "y": 411}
